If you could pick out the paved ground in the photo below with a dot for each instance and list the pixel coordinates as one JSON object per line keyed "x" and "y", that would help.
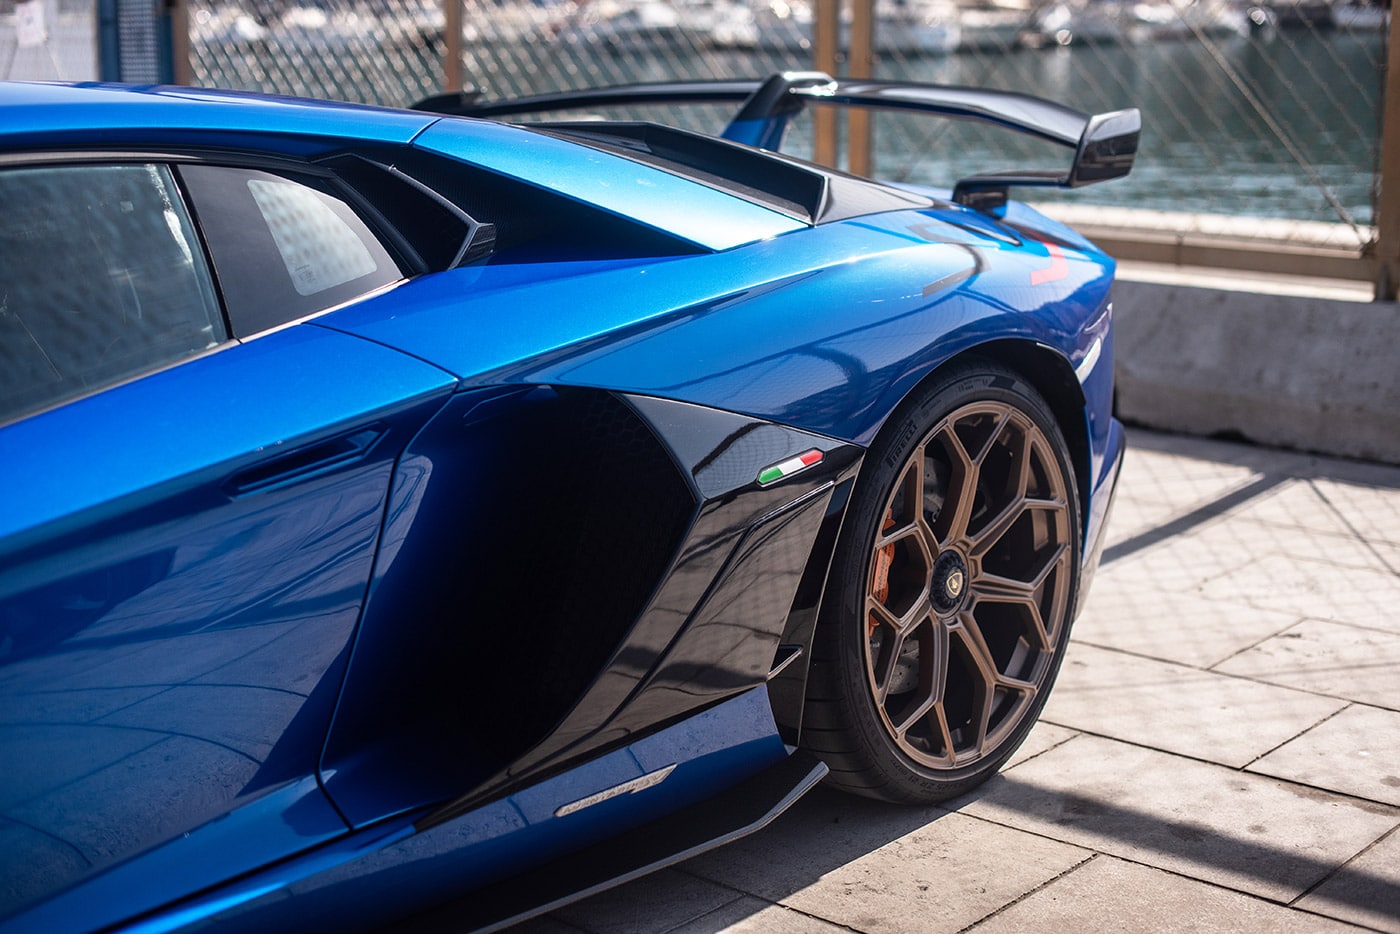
{"x": 1222, "y": 752}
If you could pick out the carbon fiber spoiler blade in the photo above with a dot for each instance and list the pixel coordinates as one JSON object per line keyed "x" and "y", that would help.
{"x": 1104, "y": 145}
{"x": 469, "y": 103}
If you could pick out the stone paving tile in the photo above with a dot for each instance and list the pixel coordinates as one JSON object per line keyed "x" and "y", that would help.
{"x": 755, "y": 916}
{"x": 1388, "y": 554}
{"x": 1111, "y": 896}
{"x": 1356, "y": 752}
{"x": 1175, "y": 627}
{"x": 1314, "y": 588}
{"x": 1241, "y": 831}
{"x": 1230, "y": 542}
{"x": 1184, "y": 558}
{"x": 879, "y": 868}
{"x": 1298, "y": 504}
{"x": 1253, "y": 457}
{"x": 1372, "y": 510}
{"x": 1190, "y": 559}
{"x": 1179, "y": 565}
{"x": 653, "y": 904}
{"x": 1344, "y": 551}
{"x": 1042, "y": 738}
{"x": 1157, "y": 487}
{"x": 1334, "y": 548}
{"x": 1366, "y": 891}
{"x": 1351, "y": 662}
{"x": 1295, "y": 521}
{"x": 1169, "y": 707}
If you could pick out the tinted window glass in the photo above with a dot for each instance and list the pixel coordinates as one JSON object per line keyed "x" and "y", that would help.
{"x": 101, "y": 278}
{"x": 284, "y": 247}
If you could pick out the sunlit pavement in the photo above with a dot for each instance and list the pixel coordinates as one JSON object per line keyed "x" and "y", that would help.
{"x": 1222, "y": 751}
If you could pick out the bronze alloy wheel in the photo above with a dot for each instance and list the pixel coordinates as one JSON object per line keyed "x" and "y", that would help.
{"x": 951, "y": 596}
{"x": 968, "y": 585}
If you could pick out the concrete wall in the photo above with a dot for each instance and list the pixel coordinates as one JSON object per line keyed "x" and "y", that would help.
{"x": 1305, "y": 372}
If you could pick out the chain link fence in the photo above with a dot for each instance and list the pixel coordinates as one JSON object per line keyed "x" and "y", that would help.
{"x": 1257, "y": 108}
{"x": 379, "y": 52}
{"x": 1248, "y": 109}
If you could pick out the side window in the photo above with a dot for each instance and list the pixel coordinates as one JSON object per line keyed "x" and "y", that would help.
{"x": 101, "y": 278}
{"x": 284, "y": 247}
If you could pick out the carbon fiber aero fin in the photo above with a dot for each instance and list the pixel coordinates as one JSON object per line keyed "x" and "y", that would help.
{"x": 668, "y": 92}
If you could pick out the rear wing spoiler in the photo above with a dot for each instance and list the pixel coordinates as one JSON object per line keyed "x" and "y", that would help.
{"x": 1104, "y": 144}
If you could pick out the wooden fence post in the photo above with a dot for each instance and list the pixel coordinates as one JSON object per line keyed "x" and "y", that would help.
{"x": 1387, "y": 220}
{"x": 860, "y": 61}
{"x": 826, "y": 30}
{"x": 452, "y": 45}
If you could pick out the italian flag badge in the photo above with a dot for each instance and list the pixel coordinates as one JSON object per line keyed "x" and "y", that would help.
{"x": 789, "y": 467}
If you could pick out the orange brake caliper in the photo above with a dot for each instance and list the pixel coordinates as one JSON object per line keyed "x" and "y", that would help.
{"x": 884, "y": 558}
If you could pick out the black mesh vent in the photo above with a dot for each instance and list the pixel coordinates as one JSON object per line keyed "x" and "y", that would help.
{"x": 626, "y": 507}
{"x": 529, "y": 529}
{"x": 591, "y": 516}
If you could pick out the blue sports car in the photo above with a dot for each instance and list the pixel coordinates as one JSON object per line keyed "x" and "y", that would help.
{"x": 412, "y": 512}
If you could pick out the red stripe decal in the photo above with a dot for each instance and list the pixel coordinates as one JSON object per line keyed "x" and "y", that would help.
{"x": 1057, "y": 270}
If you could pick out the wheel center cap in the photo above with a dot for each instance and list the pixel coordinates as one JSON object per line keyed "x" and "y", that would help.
{"x": 949, "y": 582}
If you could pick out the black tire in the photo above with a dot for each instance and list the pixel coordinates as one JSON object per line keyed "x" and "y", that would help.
{"x": 951, "y": 591}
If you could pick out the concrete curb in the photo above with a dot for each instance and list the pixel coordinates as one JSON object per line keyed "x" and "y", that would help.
{"x": 1314, "y": 374}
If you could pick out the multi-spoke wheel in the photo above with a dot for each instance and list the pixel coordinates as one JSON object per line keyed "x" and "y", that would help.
{"x": 951, "y": 592}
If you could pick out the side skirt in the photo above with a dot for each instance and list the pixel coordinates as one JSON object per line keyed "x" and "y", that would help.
{"x": 740, "y": 811}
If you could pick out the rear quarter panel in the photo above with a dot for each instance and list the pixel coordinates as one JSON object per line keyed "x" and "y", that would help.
{"x": 823, "y": 329}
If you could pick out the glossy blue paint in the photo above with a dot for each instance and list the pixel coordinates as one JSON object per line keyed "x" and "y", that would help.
{"x": 173, "y": 639}
{"x": 206, "y": 909}
{"x": 830, "y": 332}
{"x": 202, "y": 421}
{"x": 702, "y": 215}
{"x": 39, "y": 115}
{"x": 376, "y": 875}
{"x": 291, "y": 819}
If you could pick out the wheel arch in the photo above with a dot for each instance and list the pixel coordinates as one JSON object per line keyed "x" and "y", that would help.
{"x": 1051, "y": 374}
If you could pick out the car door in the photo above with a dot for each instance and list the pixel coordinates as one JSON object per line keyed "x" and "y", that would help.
{"x": 192, "y": 486}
